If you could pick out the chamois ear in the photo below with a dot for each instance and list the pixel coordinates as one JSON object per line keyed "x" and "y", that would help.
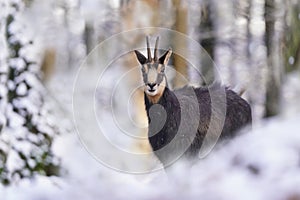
{"x": 164, "y": 59}
{"x": 141, "y": 58}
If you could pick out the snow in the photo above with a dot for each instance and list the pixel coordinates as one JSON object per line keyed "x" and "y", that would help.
{"x": 17, "y": 121}
{"x": 252, "y": 166}
{"x": 291, "y": 91}
{"x": 22, "y": 89}
{"x": 18, "y": 63}
{"x": 14, "y": 162}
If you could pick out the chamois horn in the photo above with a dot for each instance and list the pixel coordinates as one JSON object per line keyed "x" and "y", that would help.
{"x": 148, "y": 49}
{"x": 156, "y": 49}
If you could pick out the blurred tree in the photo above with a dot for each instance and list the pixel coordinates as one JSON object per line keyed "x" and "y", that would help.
{"x": 207, "y": 41}
{"x": 74, "y": 24}
{"x": 48, "y": 64}
{"x": 181, "y": 25}
{"x": 3, "y": 96}
{"x": 274, "y": 20}
{"x": 30, "y": 128}
{"x": 240, "y": 44}
{"x": 256, "y": 56}
{"x": 292, "y": 36}
{"x": 228, "y": 46}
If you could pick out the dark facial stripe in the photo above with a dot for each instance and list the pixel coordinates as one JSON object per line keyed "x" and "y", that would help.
{"x": 145, "y": 78}
{"x": 159, "y": 78}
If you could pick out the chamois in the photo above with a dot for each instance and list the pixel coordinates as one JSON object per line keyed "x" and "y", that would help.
{"x": 179, "y": 120}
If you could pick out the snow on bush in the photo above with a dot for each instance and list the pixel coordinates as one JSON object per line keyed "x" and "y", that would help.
{"x": 27, "y": 136}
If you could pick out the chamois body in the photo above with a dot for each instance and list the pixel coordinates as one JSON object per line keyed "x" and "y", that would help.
{"x": 238, "y": 115}
{"x": 179, "y": 120}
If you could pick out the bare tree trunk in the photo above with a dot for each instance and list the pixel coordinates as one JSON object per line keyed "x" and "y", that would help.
{"x": 74, "y": 39}
{"x": 292, "y": 39}
{"x": 48, "y": 64}
{"x": 257, "y": 59}
{"x": 240, "y": 43}
{"x": 182, "y": 27}
{"x": 89, "y": 38}
{"x": 224, "y": 22}
{"x": 207, "y": 41}
{"x": 274, "y": 37}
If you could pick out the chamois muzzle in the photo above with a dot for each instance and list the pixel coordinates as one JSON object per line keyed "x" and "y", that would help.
{"x": 151, "y": 88}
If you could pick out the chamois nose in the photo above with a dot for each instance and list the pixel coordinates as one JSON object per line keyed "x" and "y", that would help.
{"x": 151, "y": 85}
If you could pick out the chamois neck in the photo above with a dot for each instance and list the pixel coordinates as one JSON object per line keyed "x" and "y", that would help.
{"x": 155, "y": 99}
{"x": 165, "y": 97}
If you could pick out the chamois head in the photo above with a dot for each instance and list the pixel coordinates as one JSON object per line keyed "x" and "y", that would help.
{"x": 153, "y": 70}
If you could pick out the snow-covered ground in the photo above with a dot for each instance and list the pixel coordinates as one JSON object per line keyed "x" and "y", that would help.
{"x": 261, "y": 164}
